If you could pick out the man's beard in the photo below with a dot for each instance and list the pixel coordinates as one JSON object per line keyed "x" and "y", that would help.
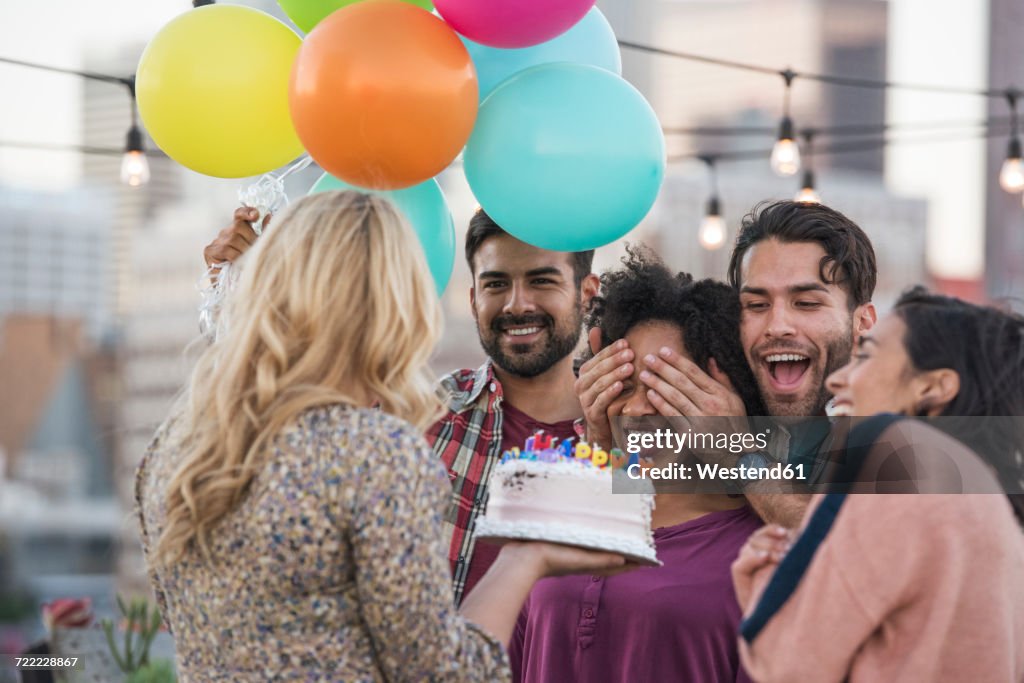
{"x": 837, "y": 354}
{"x": 521, "y": 360}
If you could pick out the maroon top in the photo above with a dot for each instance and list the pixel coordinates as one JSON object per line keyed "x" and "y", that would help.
{"x": 678, "y": 622}
{"x": 516, "y": 428}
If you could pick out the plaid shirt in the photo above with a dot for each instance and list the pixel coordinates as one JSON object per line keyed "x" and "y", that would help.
{"x": 468, "y": 441}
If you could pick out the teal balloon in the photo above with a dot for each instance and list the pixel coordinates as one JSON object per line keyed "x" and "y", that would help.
{"x": 425, "y": 208}
{"x": 566, "y": 157}
{"x": 591, "y": 41}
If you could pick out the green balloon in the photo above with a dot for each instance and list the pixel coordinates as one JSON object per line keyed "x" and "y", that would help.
{"x": 307, "y": 13}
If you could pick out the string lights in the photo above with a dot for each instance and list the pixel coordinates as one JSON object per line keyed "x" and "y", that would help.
{"x": 807, "y": 194}
{"x": 785, "y": 160}
{"x": 134, "y": 166}
{"x": 1011, "y": 176}
{"x": 785, "y": 156}
{"x": 712, "y": 228}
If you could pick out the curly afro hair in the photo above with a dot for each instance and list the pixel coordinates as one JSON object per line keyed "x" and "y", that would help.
{"x": 707, "y": 312}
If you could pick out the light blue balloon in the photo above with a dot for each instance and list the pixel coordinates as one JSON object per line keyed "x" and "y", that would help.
{"x": 590, "y": 41}
{"x": 426, "y": 210}
{"x": 566, "y": 157}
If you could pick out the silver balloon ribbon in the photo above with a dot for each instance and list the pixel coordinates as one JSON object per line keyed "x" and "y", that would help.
{"x": 267, "y": 196}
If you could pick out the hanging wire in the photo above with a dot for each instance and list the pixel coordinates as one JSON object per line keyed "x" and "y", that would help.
{"x": 808, "y": 136}
{"x": 807, "y": 191}
{"x": 844, "y": 130}
{"x": 788, "y": 75}
{"x": 810, "y": 76}
{"x": 135, "y": 105}
{"x": 709, "y": 162}
{"x": 1012, "y": 94}
{"x": 91, "y": 75}
{"x": 838, "y": 148}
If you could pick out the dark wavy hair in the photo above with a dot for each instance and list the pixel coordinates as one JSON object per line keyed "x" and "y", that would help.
{"x": 985, "y": 346}
{"x": 849, "y": 259}
{"x": 707, "y": 312}
{"x": 482, "y": 227}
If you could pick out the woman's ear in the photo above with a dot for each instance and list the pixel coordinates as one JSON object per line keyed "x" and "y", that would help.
{"x": 938, "y": 388}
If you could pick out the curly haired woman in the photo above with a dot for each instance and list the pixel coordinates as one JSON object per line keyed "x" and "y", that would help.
{"x": 678, "y": 621}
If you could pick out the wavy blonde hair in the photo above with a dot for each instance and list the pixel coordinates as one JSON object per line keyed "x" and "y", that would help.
{"x": 334, "y": 304}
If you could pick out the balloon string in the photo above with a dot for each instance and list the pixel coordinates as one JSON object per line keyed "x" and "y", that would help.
{"x": 267, "y": 196}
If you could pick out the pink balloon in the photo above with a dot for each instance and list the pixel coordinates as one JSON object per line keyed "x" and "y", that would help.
{"x": 512, "y": 23}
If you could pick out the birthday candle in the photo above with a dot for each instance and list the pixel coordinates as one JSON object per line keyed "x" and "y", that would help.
{"x": 619, "y": 459}
{"x": 549, "y": 455}
{"x": 566, "y": 449}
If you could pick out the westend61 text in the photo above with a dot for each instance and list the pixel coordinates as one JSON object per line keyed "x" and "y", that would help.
{"x": 706, "y": 472}
{"x": 665, "y": 439}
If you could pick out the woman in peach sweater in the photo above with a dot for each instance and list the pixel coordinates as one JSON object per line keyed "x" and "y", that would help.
{"x": 906, "y": 587}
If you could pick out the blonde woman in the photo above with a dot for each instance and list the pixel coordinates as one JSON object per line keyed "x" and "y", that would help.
{"x": 290, "y": 510}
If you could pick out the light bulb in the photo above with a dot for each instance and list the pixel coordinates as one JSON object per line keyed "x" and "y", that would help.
{"x": 1011, "y": 177}
{"x": 786, "y": 157}
{"x": 134, "y": 168}
{"x": 807, "y": 195}
{"x": 786, "y": 153}
{"x": 712, "y": 229}
{"x": 712, "y": 233}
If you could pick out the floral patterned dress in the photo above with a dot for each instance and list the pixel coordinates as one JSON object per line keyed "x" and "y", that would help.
{"x": 332, "y": 568}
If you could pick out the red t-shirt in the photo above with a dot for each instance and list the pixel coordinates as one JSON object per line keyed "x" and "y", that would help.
{"x": 516, "y": 428}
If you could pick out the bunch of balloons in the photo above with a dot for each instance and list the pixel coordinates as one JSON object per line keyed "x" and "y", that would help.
{"x": 385, "y": 94}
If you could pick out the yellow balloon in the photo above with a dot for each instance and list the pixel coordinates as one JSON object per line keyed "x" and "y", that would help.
{"x": 212, "y": 88}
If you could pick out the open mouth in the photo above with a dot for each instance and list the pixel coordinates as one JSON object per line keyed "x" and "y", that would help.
{"x": 787, "y": 370}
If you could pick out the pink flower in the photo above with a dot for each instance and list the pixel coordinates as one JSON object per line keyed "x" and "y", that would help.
{"x": 67, "y": 613}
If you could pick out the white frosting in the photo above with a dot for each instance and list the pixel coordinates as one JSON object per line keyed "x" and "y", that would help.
{"x": 567, "y": 502}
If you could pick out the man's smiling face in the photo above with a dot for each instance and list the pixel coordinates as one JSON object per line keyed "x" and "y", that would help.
{"x": 795, "y": 328}
{"x": 528, "y": 308}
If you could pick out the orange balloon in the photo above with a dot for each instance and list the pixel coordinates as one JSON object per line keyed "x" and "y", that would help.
{"x": 383, "y": 94}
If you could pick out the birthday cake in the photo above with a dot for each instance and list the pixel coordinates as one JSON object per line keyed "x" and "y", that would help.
{"x": 560, "y": 492}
